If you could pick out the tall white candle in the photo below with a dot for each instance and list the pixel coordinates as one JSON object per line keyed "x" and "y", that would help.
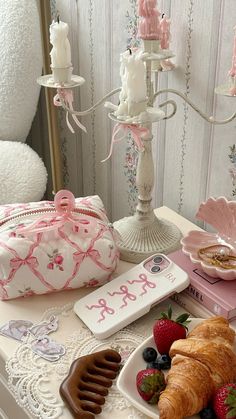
{"x": 133, "y": 78}
{"x": 61, "y": 51}
{"x": 136, "y": 78}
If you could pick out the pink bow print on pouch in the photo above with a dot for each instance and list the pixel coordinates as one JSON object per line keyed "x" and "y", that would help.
{"x": 80, "y": 255}
{"x": 17, "y": 262}
{"x": 65, "y": 245}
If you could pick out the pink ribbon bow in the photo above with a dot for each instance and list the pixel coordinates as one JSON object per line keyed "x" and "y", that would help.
{"x": 67, "y": 96}
{"x": 64, "y": 206}
{"x": 31, "y": 261}
{"x": 92, "y": 253}
{"x": 105, "y": 309}
{"x": 137, "y": 133}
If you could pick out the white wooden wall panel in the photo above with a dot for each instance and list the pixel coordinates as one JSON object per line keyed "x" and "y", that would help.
{"x": 190, "y": 156}
{"x": 185, "y": 159}
{"x": 219, "y": 182}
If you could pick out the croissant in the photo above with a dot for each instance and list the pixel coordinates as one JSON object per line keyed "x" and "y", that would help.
{"x": 201, "y": 363}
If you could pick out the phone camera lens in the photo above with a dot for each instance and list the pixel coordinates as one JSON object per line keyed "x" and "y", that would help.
{"x": 158, "y": 259}
{"x": 155, "y": 269}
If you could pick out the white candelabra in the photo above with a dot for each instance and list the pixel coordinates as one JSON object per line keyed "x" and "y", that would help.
{"x": 142, "y": 234}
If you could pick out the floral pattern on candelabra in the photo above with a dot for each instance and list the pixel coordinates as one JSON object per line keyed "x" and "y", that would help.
{"x": 130, "y": 169}
{"x": 64, "y": 148}
{"x": 232, "y": 169}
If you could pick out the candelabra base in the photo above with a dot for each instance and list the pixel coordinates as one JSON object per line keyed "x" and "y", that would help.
{"x": 142, "y": 236}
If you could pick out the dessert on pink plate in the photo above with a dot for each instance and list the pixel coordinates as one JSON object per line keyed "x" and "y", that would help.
{"x": 214, "y": 253}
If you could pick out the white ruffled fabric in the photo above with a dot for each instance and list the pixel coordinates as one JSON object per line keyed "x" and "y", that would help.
{"x": 20, "y": 65}
{"x": 35, "y": 382}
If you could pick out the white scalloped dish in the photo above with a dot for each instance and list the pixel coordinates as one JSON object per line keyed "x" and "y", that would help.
{"x": 126, "y": 382}
{"x": 221, "y": 215}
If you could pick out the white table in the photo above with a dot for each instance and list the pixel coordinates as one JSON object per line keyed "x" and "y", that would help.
{"x": 34, "y": 307}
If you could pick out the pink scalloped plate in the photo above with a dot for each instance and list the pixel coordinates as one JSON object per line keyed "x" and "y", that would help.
{"x": 196, "y": 240}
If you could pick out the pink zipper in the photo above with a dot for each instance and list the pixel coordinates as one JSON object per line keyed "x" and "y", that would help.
{"x": 46, "y": 210}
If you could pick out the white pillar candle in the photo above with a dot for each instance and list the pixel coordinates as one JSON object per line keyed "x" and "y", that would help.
{"x": 133, "y": 78}
{"x": 136, "y": 78}
{"x": 61, "y": 51}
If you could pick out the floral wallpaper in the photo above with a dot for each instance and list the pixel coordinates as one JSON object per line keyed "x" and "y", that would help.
{"x": 232, "y": 169}
{"x": 193, "y": 160}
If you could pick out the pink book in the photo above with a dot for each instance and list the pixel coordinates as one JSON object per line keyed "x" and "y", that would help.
{"x": 215, "y": 294}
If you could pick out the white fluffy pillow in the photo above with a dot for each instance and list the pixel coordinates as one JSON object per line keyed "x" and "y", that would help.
{"x": 22, "y": 173}
{"x": 20, "y": 65}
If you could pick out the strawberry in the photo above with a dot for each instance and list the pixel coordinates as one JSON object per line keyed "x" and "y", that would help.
{"x": 150, "y": 383}
{"x": 166, "y": 330}
{"x": 224, "y": 402}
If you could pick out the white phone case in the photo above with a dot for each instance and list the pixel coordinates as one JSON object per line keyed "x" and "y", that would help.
{"x": 131, "y": 295}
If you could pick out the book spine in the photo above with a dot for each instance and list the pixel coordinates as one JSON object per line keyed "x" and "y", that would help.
{"x": 207, "y": 301}
{"x": 191, "y": 306}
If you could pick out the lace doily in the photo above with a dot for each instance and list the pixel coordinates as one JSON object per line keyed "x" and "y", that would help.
{"x": 35, "y": 382}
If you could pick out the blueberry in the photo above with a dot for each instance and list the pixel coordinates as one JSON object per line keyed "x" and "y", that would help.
{"x": 166, "y": 358}
{"x": 154, "y": 365}
{"x": 207, "y": 413}
{"x": 149, "y": 354}
{"x": 164, "y": 362}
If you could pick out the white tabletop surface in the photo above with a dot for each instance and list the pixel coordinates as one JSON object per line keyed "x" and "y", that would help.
{"x": 33, "y": 308}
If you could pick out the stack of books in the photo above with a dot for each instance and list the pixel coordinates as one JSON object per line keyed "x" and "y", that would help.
{"x": 205, "y": 296}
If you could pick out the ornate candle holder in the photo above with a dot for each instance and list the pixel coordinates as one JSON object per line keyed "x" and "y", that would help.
{"x": 62, "y": 75}
{"x": 142, "y": 234}
{"x": 48, "y": 80}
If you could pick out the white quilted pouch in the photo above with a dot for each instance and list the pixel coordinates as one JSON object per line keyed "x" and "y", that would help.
{"x": 51, "y": 246}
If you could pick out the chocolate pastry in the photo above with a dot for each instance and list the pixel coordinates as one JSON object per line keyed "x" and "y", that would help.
{"x": 85, "y": 387}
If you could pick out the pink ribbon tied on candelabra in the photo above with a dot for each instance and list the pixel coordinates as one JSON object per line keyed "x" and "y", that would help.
{"x": 136, "y": 131}
{"x": 64, "y": 206}
{"x": 31, "y": 261}
{"x": 66, "y": 95}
